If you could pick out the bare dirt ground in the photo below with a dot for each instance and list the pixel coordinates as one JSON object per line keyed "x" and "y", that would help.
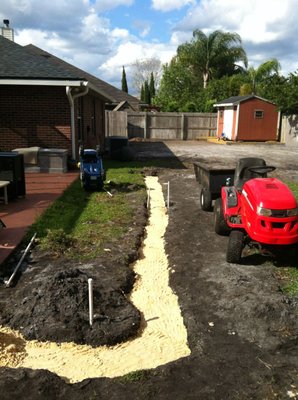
{"x": 242, "y": 331}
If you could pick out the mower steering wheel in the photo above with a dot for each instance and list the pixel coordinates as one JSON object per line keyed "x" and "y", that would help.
{"x": 261, "y": 169}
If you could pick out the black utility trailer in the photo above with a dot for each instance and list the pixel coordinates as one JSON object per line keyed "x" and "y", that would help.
{"x": 212, "y": 177}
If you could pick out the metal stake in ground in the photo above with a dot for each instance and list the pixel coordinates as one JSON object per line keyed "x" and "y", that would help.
{"x": 168, "y": 195}
{"x": 109, "y": 193}
{"x": 90, "y": 290}
{"x": 148, "y": 199}
{"x": 7, "y": 283}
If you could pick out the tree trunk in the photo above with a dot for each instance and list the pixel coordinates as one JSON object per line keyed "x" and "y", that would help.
{"x": 205, "y": 79}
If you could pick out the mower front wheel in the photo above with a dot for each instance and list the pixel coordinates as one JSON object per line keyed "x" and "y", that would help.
{"x": 205, "y": 200}
{"x": 235, "y": 246}
{"x": 99, "y": 185}
{"x": 220, "y": 225}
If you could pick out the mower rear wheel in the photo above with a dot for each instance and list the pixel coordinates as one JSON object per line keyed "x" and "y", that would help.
{"x": 235, "y": 247}
{"x": 205, "y": 200}
{"x": 220, "y": 225}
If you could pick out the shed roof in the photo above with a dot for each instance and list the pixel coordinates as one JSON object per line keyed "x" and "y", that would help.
{"x": 122, "y": 105}
{"x": 235, "y": 100}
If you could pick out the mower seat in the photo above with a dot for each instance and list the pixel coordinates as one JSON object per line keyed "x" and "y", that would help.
{"x": 242, "y": 174}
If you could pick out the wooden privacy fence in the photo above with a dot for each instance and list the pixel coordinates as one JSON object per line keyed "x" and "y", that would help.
{"x": 147, "y": 125}
{"x": 289, "y": 130}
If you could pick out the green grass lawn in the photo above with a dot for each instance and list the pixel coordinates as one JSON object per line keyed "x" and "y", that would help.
{"x": 79, "y": 223}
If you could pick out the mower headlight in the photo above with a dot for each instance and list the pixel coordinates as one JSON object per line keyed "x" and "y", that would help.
{"x": 292, "y": 212}
{"x": 264, "y": 212}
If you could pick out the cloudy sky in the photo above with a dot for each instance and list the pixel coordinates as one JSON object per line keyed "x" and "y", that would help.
{"x": 100, "y": 36}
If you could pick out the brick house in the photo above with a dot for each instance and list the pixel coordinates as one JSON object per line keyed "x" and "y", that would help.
{"x": 247, "y": 118}
{"x": 49, "y": 103}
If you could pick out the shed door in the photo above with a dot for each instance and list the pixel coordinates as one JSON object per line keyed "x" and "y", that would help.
{"x": 228, "y": 122}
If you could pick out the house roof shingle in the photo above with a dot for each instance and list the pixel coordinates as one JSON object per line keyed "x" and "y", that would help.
{"x": 117, "y": 94}
{"x": 17, "y": 63}
{"x": 32, "y": 63}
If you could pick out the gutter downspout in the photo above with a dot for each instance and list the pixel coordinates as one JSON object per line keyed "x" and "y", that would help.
{"x": 71, "y": 97}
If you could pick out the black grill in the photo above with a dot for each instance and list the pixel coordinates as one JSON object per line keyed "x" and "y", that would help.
{"x": 279, "y": 213}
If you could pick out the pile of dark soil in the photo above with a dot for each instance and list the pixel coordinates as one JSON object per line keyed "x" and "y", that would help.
{"x": 49, "y": 301}
{"x": 58, "y": 310}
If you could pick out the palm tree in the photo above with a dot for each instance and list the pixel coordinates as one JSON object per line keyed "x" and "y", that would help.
{"x": 263, "y": 72}
{"x": 214, "y": 55}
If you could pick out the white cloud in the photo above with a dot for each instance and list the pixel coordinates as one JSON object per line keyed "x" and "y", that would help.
{"x": 268, "y": 28}
{"x": 169, "y": 5}
{"x": 254, "y": 20}
{"x": 118, "y": 33}
{"x": 127, "y": 53}
{"x": 105, "y": 5}
{"x": 180, "y": 37}
{"x": 92, "y": 26}
{"x": 42, "y": 39}
{"x": 54, "y": 15}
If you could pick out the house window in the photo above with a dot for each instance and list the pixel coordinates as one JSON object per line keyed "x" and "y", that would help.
{"x": 259, "y": 114}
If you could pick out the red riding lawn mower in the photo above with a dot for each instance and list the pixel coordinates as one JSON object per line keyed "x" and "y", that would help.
{"x": 257, "y": 210}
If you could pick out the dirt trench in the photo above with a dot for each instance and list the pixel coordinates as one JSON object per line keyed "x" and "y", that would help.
{"x": 161, "y": 338}
{"x": 242, "y": 331}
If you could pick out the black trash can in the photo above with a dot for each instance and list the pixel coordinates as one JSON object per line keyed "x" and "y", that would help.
{"x": 12, "y": 170}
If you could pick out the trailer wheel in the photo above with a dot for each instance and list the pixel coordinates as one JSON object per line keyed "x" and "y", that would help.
{"x": 235, "y": 247}
{"x": 205, "y": 200}
{"x": 220, "y": 225}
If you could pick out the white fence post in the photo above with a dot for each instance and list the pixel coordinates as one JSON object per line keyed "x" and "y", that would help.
{"x": 90, "y": 290}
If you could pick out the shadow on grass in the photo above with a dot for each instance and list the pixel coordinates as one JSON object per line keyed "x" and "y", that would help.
{"x": 149, "y": 154}
{"x": 279, "y": 256}
{"x": 63, "y": 213}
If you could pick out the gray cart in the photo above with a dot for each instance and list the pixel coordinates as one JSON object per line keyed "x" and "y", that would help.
{"x": 212, "y": 178}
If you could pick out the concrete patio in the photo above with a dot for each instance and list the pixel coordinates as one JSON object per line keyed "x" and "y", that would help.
{"x": 42, "y": 189}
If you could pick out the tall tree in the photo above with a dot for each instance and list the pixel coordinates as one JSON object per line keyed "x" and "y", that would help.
{"x": 141, "y": 71}
{"x": 124, "y": 81}
{"x": 213, "y": 55}
{"x": 142, "y": 97}
{"x": 152, "y": 86}
{"x": 147, "y": 97}
{"x": 260, "y": 74}
{"x": 288, "y": 95}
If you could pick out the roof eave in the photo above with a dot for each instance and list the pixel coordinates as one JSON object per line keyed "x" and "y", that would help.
{"x": 41, "y": 82}
{"x": 225, "y": 104}
{"x": 56, "y": 82}
{"x": 102, "y": 93}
